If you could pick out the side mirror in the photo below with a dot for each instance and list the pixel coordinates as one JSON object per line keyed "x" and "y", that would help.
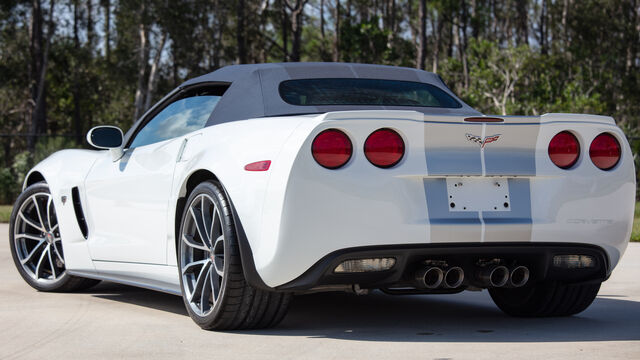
{"x": 107, "y": 137}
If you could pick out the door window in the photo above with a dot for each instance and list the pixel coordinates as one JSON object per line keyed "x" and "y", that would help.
{"x": 180, "y": 117}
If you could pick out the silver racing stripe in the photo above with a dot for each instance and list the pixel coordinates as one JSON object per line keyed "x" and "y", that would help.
{"x": 514, "y": 225}
{"x": 450, "y": 226}
{"x": 449, "y": 152}
{"x": 514, "y": 152}
{"x": 466, "y": 226}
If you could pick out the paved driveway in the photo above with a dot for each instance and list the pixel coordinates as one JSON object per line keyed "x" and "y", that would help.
{"x": 116, "y": 321}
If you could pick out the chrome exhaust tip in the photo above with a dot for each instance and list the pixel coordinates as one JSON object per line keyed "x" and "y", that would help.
{"x": 494, "y": 276}
{"x": 454, "y": 277}
{"x": 519, "y": 276}
{"x": 429, "y": 277}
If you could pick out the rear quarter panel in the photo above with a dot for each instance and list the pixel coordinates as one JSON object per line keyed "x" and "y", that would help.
{"x": 583, "y": 204}
{"x": 224, "y": 150}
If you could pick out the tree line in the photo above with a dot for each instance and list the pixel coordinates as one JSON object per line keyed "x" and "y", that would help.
{"x": 68, "y": 65}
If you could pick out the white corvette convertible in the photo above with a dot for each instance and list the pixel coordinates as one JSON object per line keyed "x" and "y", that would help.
{"x": 255, "y": 182}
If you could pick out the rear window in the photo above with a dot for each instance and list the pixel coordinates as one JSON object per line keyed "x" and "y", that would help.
{"x": 312, "y": 92}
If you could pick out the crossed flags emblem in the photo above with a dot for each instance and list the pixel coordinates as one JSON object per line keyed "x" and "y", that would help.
{"x": 483, "y": 142}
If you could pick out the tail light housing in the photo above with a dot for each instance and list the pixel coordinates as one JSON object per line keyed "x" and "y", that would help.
{"x": 564, "y": 150}
{"x": 332, "y": 148}
{"x": 384, "y": 148}
{"x": 605, "y": 151}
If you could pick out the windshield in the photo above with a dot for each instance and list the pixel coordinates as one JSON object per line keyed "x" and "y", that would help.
{"x": 312, "y": 92}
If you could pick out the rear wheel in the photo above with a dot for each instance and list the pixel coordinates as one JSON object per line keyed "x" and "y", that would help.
{"x": 545, "y": 299}
{"x": 36, "y": 245}
{"x": 214, "y": 289}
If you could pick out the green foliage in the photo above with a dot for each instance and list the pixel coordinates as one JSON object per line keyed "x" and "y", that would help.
{"x": 494, "y": 73}
{"x": 5, "y": 213}
{"x": 635, "y": 232}
{"x": 518, "y": 80}
{"x": 12, "y": 178}
{"x": 22, "y": 163}
{"x": 365, "y": 42}
{"x": 8, "y": 187}
{"x": 494, "y": 54}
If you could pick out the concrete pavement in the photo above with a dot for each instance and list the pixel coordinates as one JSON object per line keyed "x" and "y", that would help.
{"x": 117, "y": 321}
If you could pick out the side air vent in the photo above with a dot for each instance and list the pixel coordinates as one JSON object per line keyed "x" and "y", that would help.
{"x": 77, "y": 207}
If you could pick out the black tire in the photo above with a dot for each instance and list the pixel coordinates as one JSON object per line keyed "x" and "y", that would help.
{"x": 63, "y": 282}
{"x": 238, "y": 305}
{"x": 545, "y": 299}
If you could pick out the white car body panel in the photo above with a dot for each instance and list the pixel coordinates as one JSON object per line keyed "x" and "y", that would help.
{"x": 64, "y": 170}
{"x": 138, "y": 188}
{"x": 297, "y": 212}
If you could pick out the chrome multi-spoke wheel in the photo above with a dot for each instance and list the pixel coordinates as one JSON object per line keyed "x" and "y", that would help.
{"x": 214, "y": 289}
{"x": 36, "y": 244}
{"x": 37, "y": 238}
{"x": 202, "y": 259}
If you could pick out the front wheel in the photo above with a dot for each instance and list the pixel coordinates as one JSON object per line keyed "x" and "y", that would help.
{"x": 545, "y": 299}
{"x": 36, "y": 244}
{"x": 214, "y": 290}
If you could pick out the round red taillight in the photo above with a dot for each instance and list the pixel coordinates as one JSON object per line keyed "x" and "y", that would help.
{"x": 332, "y": 148}
{"x": 605, "y": 151}
{"x": 564, "y": 150}
{"x": 384, "y": 148}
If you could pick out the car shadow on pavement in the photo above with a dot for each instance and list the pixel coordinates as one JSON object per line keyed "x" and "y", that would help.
{"x": 138, "y": 296}
{"x": 464, "y": 317}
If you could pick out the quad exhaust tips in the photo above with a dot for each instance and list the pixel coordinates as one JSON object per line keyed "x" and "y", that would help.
{"x": 429, "y": 277}
{"x": 433, "y": 277}
{"x": 494, "y": 276}
{"x": 501, "y": 276}
{"x": 519, "y": 276}
{"x": 454, "y": 277}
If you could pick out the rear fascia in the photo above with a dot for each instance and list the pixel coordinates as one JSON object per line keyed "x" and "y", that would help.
{"x": 309, "y": 211}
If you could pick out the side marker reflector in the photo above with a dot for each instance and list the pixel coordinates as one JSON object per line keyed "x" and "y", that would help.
{"x": 258, "y": 166}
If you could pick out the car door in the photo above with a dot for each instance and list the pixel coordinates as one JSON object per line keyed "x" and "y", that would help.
{"x": 128, "y": 199}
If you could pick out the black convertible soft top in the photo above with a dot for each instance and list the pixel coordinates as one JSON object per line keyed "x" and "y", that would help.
{"x": 253, "y": 90}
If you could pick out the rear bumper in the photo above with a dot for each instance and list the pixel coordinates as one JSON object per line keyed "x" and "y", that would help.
{"x": 537, "y": 257}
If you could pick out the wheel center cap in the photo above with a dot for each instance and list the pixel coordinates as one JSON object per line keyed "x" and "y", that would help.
{"x": 49, "y": 238}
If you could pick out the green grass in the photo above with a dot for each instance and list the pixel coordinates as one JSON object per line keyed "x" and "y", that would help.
{"x": 5, "y": 213}
{"x": 635, "y": 233}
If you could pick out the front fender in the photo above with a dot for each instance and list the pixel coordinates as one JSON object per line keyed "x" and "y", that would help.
{"x": 62, "y": 171}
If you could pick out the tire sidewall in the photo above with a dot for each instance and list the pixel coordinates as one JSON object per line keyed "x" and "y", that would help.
{"x": 62, "y": 280}
{"x": 215, "y": 192}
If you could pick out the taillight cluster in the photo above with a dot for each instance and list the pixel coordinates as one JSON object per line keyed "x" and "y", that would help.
{"x": 564, "y": 150}
{"x": 384, "y": 148}
{"x": 605, "y": 151}
{"x": 332, "y": 148}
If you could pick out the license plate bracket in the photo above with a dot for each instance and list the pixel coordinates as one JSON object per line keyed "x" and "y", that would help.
{"x": 472, "y": 194}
